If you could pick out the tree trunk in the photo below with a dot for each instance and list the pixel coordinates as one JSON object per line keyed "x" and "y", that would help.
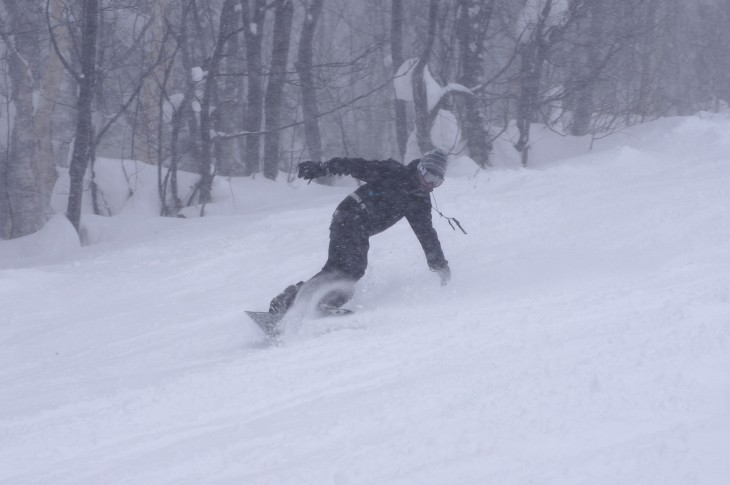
{"x": 206, "y": 168}
{"x": 253, "y": 28}
{"x": 532, "y": 57}
{"x": 167, "y": 187}
{"x": 22, "y": 191}
{"x": 229, "y": 107}
{"x": 310, "y": 112}
{"x": 188, "y": 115}
{"x": 146, "y": 141}
{"x": 584, "y": 70}
{"x": 471, "y": 30}
{"x": 527, "y": 103}
{"x": 420, "y": 96}
{"x": 84, "y": 127}
{"x": 396, "y": 50}
{"x": 52, "y": 81}
{"x": 283, "y": 18}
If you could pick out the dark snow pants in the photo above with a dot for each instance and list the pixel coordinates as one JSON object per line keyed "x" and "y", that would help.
{"x": 349, "y": 241}
{"x": 347, "y": 257}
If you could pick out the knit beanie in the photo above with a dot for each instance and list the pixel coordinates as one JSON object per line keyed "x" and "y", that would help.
{"x": 435, "y": 162}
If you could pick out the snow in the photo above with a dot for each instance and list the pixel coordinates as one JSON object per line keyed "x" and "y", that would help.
{"x": 197, "y": 74}
{"x": 403, "y": 85}
{"x": 445, "y": 130}
{"x": 402, "y": 82}
{"x": 445, "y": 134}
{"x": 56, "y": 239}
{"x": 171, "y": 105}
{"x": 584, "y": 337}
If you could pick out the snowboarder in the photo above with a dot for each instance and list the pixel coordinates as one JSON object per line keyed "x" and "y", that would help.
{"x": 392, "y": 191}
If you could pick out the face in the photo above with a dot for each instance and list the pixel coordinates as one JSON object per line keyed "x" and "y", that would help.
{"x": 428, "y": 180}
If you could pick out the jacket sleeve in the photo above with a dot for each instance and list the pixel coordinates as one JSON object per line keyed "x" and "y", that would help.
{"x": 365, "y": 170}
{"x": 422, "y": 226}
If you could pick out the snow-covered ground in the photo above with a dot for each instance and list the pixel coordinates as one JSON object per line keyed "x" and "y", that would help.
{"x": 584, "y": 337}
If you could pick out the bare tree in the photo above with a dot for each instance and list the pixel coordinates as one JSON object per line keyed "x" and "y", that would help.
{"x": 396, "y": 50}
{"x": 23, "y": 193}
{"x": 473, "y": 21}
{"x": 283, "y": 18}
{"x": 304, "y": 63}
{"x": 583, "y": 66}
{"x": 423, "y": 116}
{"x": 206, "y": 168}
{"x": 47, "y": 104}
{"x": 543, "y": 32}
{"x": 253, "y": 27}
{"x": 147, "y": 137}
{"x": 85, "y": 78}
{"x": 230, "y": 106}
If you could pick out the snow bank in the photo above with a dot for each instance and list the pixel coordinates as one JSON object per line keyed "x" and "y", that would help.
{"x": 56, "y": 240}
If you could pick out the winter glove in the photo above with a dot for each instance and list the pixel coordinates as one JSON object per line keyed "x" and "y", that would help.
{"x": 311, "y": 170}
{"x": 445, "y": 274}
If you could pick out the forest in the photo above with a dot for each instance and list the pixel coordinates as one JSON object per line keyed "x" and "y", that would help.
{"x": 250, "y": 88}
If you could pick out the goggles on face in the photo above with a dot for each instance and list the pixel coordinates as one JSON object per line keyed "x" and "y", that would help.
{"x": 430, "y": 178}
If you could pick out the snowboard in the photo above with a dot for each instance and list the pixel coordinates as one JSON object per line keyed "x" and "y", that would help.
{"x": 269, "y": 322}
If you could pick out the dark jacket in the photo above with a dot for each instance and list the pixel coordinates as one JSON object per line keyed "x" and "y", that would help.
{"x": 392, "y": 191}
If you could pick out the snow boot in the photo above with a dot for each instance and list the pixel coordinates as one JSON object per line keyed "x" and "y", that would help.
{"x": 281, "y": 303}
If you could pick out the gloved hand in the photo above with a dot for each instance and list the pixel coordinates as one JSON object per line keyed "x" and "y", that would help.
{"x": 336, "y": 166}
{"x": 311, "y": 170}
{"x": 444, "y": 273}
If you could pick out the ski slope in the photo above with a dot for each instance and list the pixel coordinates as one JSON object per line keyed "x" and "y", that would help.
{"x": 584, "y": 337}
